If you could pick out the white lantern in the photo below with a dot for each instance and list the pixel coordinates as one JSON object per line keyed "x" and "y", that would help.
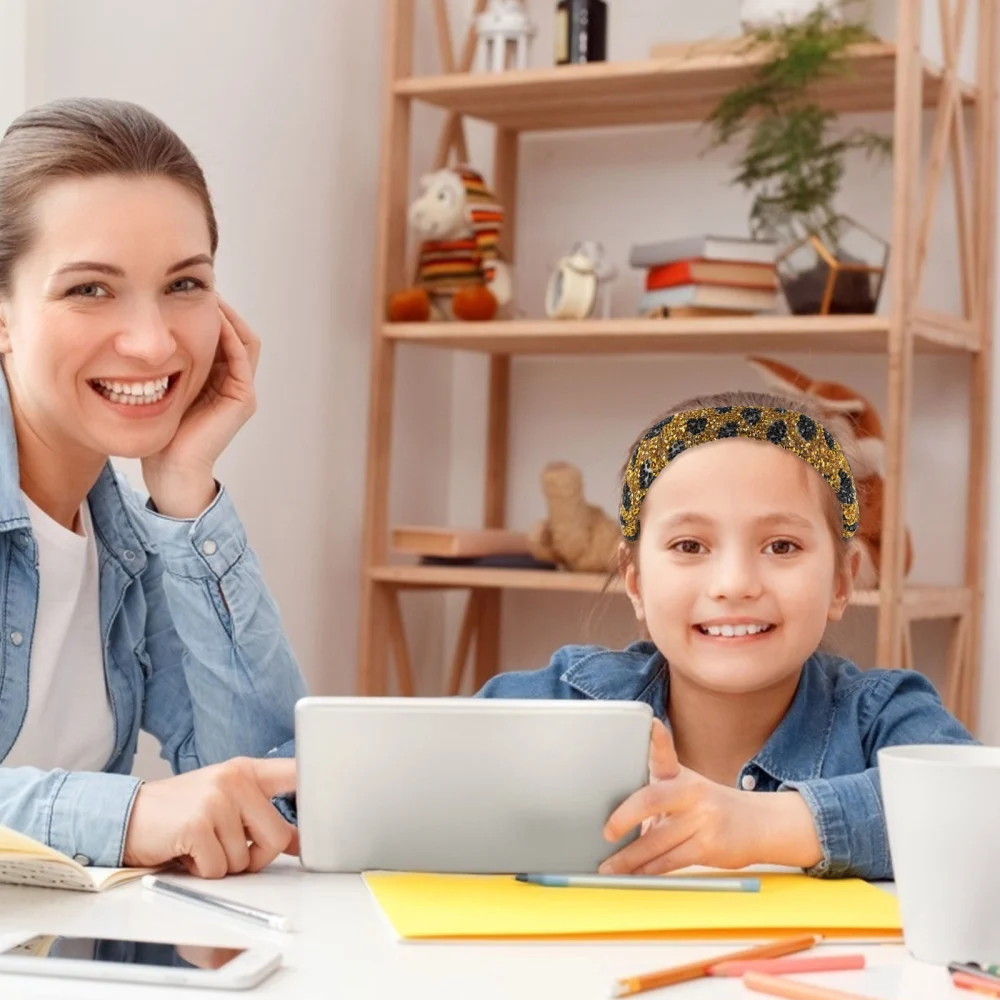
{"x": 773, "y": 13}
{"x": 502, "y": 34}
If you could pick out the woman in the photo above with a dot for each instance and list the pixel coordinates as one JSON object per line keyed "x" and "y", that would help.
{"x": 117, "y": 612}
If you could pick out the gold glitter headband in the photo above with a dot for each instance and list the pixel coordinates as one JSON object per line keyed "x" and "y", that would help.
{"x": 795, "y": 432}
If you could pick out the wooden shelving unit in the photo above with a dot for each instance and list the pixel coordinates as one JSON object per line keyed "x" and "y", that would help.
{"x": 684, "y": 88}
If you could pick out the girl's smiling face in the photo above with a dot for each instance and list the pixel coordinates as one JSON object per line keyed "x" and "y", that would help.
{"x": 112, "y": 321}
{"x": 736, "y": 571}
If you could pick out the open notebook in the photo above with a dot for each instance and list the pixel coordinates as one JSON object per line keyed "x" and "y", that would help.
{"x": 24, "y": 861}
{"x": 488, "y": 906}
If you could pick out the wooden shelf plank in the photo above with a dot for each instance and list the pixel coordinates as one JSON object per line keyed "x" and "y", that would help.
{"x": 681, "y": 88}
{"x": 946, "y": 330}
{"x": 919, "y": 602}
{"x": 702, "y": 335}
{"x": 449, "y": 577}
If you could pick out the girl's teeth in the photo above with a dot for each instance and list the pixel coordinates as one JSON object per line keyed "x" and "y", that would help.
{"x": 731, "y": 631}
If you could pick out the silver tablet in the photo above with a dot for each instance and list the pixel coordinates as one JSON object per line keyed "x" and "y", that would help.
{"x": 464, "y": 785}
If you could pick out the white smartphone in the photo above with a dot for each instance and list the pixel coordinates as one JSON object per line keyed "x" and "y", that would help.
{"x": 152, "y": 962}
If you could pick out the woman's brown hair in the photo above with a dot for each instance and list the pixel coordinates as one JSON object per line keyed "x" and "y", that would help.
{"x": 84, "y": 137}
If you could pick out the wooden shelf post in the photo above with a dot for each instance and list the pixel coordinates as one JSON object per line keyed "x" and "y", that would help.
{"x": 390, "y": 266}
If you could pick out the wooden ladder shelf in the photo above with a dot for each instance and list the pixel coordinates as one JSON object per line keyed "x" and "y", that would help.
{"x": 889, "y": 76}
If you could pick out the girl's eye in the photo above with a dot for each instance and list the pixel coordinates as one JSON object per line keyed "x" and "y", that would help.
{"x": 89, "y": 291}
{"x": 688, "y": 546}
{"x": 187, "y": 285}
{"x": 782, "y": 547}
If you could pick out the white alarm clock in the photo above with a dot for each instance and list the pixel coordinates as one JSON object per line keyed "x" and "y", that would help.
{"x": 574, "y": 285}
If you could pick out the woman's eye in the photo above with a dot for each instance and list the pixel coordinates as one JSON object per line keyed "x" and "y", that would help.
{"x": 782, "y": 547}
{"x": 688, "y": 546}
{"x": 187, "y": 285}
{"x": 89, "y": 291}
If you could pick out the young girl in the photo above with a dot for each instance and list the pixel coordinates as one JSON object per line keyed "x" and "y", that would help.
{"x": 737, "y": 514}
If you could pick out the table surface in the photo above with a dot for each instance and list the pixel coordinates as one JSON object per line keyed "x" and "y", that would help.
{"x": 344, "y": 948}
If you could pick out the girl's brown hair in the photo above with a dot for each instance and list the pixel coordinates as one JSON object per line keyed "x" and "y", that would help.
{"x": 738, "y": 398}
{"x": 84, "y": 137}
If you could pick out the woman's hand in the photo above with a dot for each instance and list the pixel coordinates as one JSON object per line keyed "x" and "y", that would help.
{"x": 180, "y": 478}
{"x": 216, "y": 821}
{"x": 689, "y": 820}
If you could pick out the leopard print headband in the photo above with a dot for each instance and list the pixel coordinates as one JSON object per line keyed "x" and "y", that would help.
{"x": 795, "y": 432}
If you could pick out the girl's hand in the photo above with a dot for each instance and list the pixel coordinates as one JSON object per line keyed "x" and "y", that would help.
{"x": 216, "y": 820}
{"x": 180, "y": 478}
{"x": 688, "y": 820}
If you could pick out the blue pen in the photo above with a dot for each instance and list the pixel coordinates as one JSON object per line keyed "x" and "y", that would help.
{"x": 690, "y": 884}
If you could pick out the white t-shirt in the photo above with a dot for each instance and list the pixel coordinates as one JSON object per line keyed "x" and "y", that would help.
{"x": 68, "y": 723}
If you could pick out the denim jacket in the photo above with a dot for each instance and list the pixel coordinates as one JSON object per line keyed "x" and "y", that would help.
{"x": 824, "y": 748}
{"x": 194, "y": 653}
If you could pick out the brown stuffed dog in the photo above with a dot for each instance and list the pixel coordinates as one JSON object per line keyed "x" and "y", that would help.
{"x": 865, "y": 449}
{"x": 576, "y": 535}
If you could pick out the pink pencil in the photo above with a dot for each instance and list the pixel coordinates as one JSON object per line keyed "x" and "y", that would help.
{"x": 781, "y": 966}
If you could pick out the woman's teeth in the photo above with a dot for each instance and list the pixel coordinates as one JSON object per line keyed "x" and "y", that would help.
{"x": 133, "y": 393}
{"x": 730, "y": 631}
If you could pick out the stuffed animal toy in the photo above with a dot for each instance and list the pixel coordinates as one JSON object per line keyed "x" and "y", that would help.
{"x": 576, "y": 535}
{"x": 459, "y": 274}
{"x": 864, "y": 442}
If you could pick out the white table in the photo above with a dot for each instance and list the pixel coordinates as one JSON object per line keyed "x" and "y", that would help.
{"x": 344, "y": 948}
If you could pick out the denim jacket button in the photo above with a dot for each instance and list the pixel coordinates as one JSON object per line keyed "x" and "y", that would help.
{"x": 748, "y": 782}
{"x": 128, "y": 555}
{"x": 16, "y": 638}
{"x": 81, "y": 859}
{"x": 209, "y": 548}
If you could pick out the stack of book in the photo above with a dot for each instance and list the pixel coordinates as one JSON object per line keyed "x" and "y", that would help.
{"x": 707, "y": 276}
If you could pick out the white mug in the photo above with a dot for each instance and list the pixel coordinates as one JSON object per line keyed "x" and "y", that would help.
{"x": 942, "y": 808}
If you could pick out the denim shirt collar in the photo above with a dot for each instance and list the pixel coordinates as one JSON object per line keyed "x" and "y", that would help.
{"x": 794, "y": 751}
{"x": 108, "y": 509}
{"x": 640, "y": 675}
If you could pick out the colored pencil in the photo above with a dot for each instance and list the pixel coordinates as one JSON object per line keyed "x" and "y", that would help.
{"x": 682, "y": 883}
{"x": 967, "y": 981}
{"x": 784, "y": 966}
{"x": 975, "y": 969}
{"x": 632, "y": 985}
{"x": 791, "y": 990}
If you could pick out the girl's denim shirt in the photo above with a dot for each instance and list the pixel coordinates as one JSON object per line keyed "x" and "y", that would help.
{"x": 824, "y": 748}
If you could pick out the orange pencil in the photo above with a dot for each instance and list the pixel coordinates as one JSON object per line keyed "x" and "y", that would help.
{"x": 699, "y": 970}
{"x": 785, "y": 966}
{"x": 791, "y": 990}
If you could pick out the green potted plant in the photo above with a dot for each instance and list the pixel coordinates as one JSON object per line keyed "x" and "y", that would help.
{"x": 794, "y": 161}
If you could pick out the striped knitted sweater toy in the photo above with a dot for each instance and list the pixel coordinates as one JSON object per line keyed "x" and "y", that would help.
{"x": 460, "y": 220}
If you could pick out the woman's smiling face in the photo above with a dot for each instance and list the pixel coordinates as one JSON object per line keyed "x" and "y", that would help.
{"x": 111, "y": 323}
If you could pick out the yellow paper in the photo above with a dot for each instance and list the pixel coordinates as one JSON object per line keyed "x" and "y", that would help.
{"x": 489, "y": 906}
